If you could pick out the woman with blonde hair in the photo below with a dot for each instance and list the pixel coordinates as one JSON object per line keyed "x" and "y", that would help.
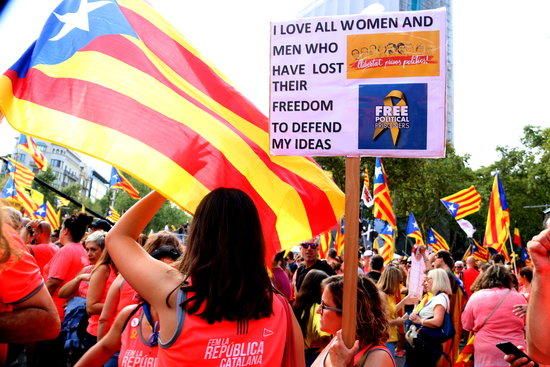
{"x": 422, "y": 350}
{"x": 390, "y": 292}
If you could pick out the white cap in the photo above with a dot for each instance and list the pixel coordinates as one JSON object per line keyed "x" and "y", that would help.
{"x": 367, "y": 253}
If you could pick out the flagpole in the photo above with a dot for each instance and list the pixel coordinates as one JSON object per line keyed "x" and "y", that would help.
{"x": 351, "y": 261}
{"x": 512, "y": 253}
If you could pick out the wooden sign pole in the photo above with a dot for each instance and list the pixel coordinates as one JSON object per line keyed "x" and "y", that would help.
{"x": 351, "y": 260}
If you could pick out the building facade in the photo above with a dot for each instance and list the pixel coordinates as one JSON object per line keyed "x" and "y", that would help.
{"x": 68, "y": 169}
{"x": 347, "y": 7}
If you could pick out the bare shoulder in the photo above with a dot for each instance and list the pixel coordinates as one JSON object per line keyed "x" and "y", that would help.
{"x": 379, "y": 358}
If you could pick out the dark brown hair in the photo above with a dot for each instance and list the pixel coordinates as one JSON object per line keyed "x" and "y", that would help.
{"x": 372, "y": 322}
{"x": 309, "y": 294}
{"x": 77, "y": 224}
{"x": 496, "y": 276}
{"x": 225, "y": 260}
{"x": 161, "y": 238}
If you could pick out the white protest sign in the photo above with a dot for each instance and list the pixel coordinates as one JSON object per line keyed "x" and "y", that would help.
{"x": 359, "y": 85}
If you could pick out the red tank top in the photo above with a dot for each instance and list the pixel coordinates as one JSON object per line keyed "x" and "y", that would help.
{"x": 135, "y": 348}
{"x": 127, "y": 296}
{"x": 251, "y": 343}
{"x": 93, "y": 321}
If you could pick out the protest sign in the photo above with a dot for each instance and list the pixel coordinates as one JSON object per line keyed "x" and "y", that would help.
{"x": 371, "y": 85}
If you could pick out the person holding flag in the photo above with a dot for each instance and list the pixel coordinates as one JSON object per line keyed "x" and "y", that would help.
{"x": 225, "y": 246}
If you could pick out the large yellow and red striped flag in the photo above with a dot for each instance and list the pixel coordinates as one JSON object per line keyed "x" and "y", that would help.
{"x": 22, "y": 175}
{"x": 130, "y": 91}
{"x": 383, "y": 206}
{"x": 463, "y": 203}
{"x": 497, "y": 229}
{"x": 477, "y": 251}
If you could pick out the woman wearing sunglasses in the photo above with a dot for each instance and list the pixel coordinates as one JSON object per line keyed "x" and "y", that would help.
{"x": 372, "y": 326}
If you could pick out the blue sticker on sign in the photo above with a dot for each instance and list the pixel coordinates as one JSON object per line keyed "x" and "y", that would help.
{"x": 393, "y": 116}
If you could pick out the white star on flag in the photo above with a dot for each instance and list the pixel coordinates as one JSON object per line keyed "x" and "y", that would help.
{"x": 432, "y": 239}
{"x": 378, "y": 171}
{"x": 79, "y": 19}
{"x": 10, "y": 190}
{"x": 415, "y": 225}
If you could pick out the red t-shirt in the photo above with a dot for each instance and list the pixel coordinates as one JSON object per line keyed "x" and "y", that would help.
{"x": 65, "y": 265}
{"x": 468, "y": 277}
{"x": 43, "y": 253}
{"x": 127, "y": 296}
{"x": 20, "y": 277}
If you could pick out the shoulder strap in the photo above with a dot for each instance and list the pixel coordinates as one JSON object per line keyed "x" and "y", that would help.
{"x": 494, "y": 310}
{"x": 375, "y": 348}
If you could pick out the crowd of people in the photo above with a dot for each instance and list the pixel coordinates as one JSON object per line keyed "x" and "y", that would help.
{"x": 102, "y": 296}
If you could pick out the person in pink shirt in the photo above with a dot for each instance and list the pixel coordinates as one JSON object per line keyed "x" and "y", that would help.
{"x": 37, "y": 237}
{"x": 489, "y": 314}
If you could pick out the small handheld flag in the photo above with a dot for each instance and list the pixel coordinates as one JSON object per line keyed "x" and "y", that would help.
{"x": 22, "y": 174}
{"x": 413, "y": 230}
{"x": 41, "y": 211}
{"x": 436, "y": 241}
{"x": 383, "y": 206}
{"x": 9, "y": 189}
{"x": 463, "y": 203}
{"x": 386, "y": 243}
{"x": 118, "y": 181}
{"x": 27, "y": 144}
{"x": 113, "y": 215}
{"x": 498, "y": 219}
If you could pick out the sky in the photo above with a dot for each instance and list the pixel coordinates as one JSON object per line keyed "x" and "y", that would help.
{"x": 500, "y": 55}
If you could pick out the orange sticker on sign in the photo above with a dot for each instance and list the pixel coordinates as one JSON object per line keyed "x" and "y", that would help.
{"x": 393, "y": 55}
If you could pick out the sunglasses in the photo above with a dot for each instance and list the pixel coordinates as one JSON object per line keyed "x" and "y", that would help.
{"x": 325, "y": 307}
{"x": 311, "y": 245}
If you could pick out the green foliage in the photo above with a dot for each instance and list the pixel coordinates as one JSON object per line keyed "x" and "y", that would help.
{"x": 169, "y": 214}
{"x": 48, "y": 177}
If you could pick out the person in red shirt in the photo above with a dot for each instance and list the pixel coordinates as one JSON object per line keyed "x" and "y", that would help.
{"x": 218, "y": 308}
{"x": 64, "y": 266}
{"x": 470, "y": 274}
{"x": 36, "y": 235}
{"x": 24, "y": 301}
{"x": 70, "y": 259}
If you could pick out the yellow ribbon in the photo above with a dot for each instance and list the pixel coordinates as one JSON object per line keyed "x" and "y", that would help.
{"x": 389, "y": 102}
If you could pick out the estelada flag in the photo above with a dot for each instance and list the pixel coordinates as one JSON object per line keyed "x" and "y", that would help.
{"x": 497, "y": 229}
{"x": 386, "y": 243}
{"x": 22, "y": 174}
{"x": 413, "y": 230}
{"x": 462, "y": 203}
{"x": 383, "y": 205}
{"x": 437, "y": 241}
{"x": 27, "y": 144}
{"x": 123, "y": 86}
{"x": 118, "y": 181}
